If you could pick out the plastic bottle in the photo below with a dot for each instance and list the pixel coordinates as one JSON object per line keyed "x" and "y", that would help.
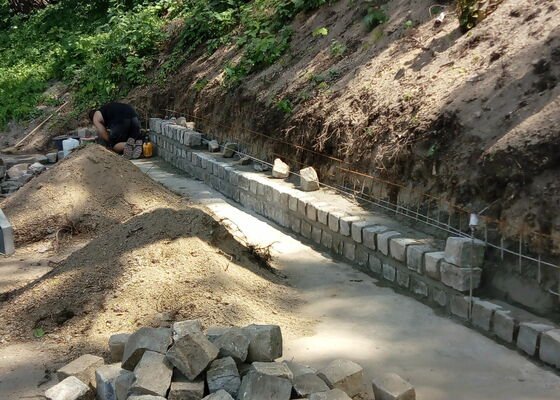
{"x": 147, "y": 148}
{"x": 68, "y": 145}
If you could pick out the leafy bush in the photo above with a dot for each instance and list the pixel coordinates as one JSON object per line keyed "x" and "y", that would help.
{"x": 375, "y": 17}
{"x": 471, "y": 12}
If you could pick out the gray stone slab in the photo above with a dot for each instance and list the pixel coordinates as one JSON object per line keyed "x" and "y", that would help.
{"x": 153, "y": 339}
{"x": 327, "y": 239}
{"x": 432, "y": 262}
{"x": 223, "y": 375}
{"x": 459, "y": 278}
{"x": 383, "y": 240}
{"x": 334, "y": 220}
{"x": 505, "y": 325}
{"x": 389, "y": 272}
{"x": 265, "y": 342}
{"x": 214, "y": 332}
{"x": 459, "y": 306}
{"x": 123, "y": 384}
{"x": 362, "y": 256}
{"x": 192, "y": 354}
{"x": 82, "y": 368}
{"x": 152, "y": 375}
{"x": 398, "y": 247}
{"x": 392, "y": 387}
{"x": 419, "y": 288}
{"x": 183, "y": 389}
{"x": 375, "y": 264}
{"x": 345, "y": 375}
{"x": 306, "y": 229}
{"x": 529, "y": 337}
{"x": 105, "y": 380}
{"x": 266, "y": 382}
{"x": 349, "y": 250}
{"x": 549, "y": 350}
{"x": 415, "y": 255}
{"x": 369, "y": 235}
{"x": 403, "y": 278}
{"x": 7, "y": 245}
{"x": 440, "y": 297}
{"x": 117, "y": 343}
{"x": 323, "y": 210}
{"x": 70, "y": 388}
{"x": 316, "y": 234}
{"x": 465, "y": 252}
{"x": 346, "y": 224}
{"x": 233, "y": 343}
{"x": 298, "y": 369}
{"x": 306, "y": 384}
{"x": 483, "y": 313}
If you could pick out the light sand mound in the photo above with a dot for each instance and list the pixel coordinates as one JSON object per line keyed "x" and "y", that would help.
{"x": 90, "y": 191}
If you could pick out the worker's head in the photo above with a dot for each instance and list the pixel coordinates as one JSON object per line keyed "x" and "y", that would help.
{"x": 91, "y": 114}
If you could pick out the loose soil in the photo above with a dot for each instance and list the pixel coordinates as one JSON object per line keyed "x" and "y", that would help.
{"x": 152, "y": 259}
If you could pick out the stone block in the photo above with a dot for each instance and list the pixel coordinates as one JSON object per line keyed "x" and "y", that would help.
{"x": 182, "y": 328}
{"x": 17, "y": 171}
{"x": 334, "y": 220}
{"x": 440, "y": 297}
{"x": 327, "y": 239}
{"x": 316, "y": 234}
{"x": 117, "y": 343}
{"x": 306, "y": 229}
{"x": 37, "y": 168}
{"x": 403, "y": 278}
{"x": 265, "y": 342}
{"x": 233, "y": 343}
{"x": 152, "y": 375}
{"x": 345, "y": 375}
{"x": 223, "y": 375}
{"x": 383, "y": 240}
{"x": 349, "y": 250}
{"x": 213, "y": 146}
{"x": 309, "y": 181}
{"x": 337, "y": 245}
{"x": 357, "y": 228}
{"x": 432, "y": 262}
{"x": 334, "y": 394}
{"x": 244, "y": 182}
{"x": 392, "y": 387}
{"x": 419, "y": 288}
{"x": 375, "y": 265}
{"x": 153, "y": 339}
{"x": 268, "y": 193}
{"x": 529, "y": 336}
{"x": 105, "y": 380}
{"x": 505, "y": 326}
{"x": 346, "y": 224}
{"x": 415, "y": 255}
{"x": 219, "y": 395}
{"x": 398, "y": 248}
{"x": 70, "y": 388}
{"x": 298, "y": 369}
{"x": 362, "y": 256}
{"x": 264, "y": 381}
{"x": 123, "y": 384}
{"x": 307, "y": 384}
{"x": 293, "y": 202}
{"x": 82, "y": 368}
{"x": 280, "y": 169}
{"x": 311, "y": 212}
{"x": 7, "y": 245}
{"x": 192, "y": 354}
{"x": 302, "y": 205}
{"x": 549, "y": 350}
{"x": 230, "y": 149}
{"x": 482, "y": 314}
{"x": 183, "y": 389}
{"x": 295, "y": 224}
{"x": 464, "y": 252}
{"x": 460, "y": 306}
{"x": 389, "y": 272}
{"x": 459, "y": 278}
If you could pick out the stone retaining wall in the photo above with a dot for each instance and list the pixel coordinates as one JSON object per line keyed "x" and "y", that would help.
{"x": 424, "y": 269}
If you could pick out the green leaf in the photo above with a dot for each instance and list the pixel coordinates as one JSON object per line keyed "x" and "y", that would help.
{"x": 320, "y": 32}
{"x": 38, "y": 333}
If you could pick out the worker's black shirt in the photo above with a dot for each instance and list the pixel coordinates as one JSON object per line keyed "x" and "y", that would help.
{"x": 115, "y": 113}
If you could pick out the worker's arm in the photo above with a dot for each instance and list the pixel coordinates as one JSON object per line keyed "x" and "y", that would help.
{"x": 100, "y": 126}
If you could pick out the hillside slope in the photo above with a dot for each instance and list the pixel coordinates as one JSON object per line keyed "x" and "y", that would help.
{"x": 472, "y": 117}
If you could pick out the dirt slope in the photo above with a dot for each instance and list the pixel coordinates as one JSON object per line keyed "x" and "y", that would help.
{"x": 472, "y": 117}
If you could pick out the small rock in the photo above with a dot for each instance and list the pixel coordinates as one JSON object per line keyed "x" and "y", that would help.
{"x": 183, "y": 389}
{"x": 230, "y": 149}
{"x": 192, "y": 354}
{"x": 213, "y": 146}
{"x": 223, "y": 375}
{"x": 280, "y": 169}
{"x": 181, "y": 121}
{"x": 82, "y": 368}
{"x": 105, "y": 379}
{"x": 393, "y": 387}
{"x": 117, "y": 344}
{"x": 60, "y": 155}
{"x": 10, "y": 186}
{"x": 153, "y": 339}
{"x": 52, "y": 157}
{"x": 309, "y": 181}
{"x": 70, "y": 388}
{"x": 265, "y": 342}
{"x": 259, "y": 167}
{"x": 41, "y": 159}
{"x": 152, "y": 375}
{"x": 335, "y": 394}
{"x": 219, "y": 395}
{"x": 233, "y": 343}
{"x": 245, "y": 160}
{"x": 17, "y": 171}
{"x": 182, "y": 328}
{"x": 345, "y": 375}
{"x": 306, "y": 384}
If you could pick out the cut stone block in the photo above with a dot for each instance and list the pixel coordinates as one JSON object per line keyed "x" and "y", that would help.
{"x": 327, "y": 239}
{"x": 316, "y": 234}
{"x": 306, "y": 229}
{"x": 460, "y": 306}
{"x": 403, "y": 278}
{"x": 182, "y": 328}
{"x": 464, "y": 252}
{"x": 309, "y": 181}
{"x": 440, "y": 297}
{"x": 280, "y": 170}
{"x": 219, "y": 395}
{"x": 306, "y": 384}
{"x": 145, "y": 397}
{"x": 82, "y": 368}
{"x": 7, "y": 245}
{"x": 345, "y": 375}
{"x": 334, "y": 394}
{"x": 266, "y": 382}
{"x": 432, "y": 262}
{"x": 549, "y": 351}
{"x": 153, "y": 339}
{"x": 298, "y": 369}
{"x": 357, "y": 228}
{"x": 459, "y": 278}
{"x": 223, "y": 375}
{"x": 369, "y": 235}
{"x": 334, "y": 220}
{"x": 233, "y": 343}
{"x": 482, "y": 314}
{"x": 230, "y": 149}
{"x": 105, "y": 379}
{"x": 214, "y": 332}
{"x": 346, "y": 224}
{"x": 123, "y": 384}
{"x": 17, "y": 171}
{"x": 265, "y": 342}
{"x": 70, "y": 388}
{"x": 419, "y": 288}
{"x": 375, "y": 265}
{"x": 529, "y": 336}
{"x": 349, "y": 250}
{"x": 383, "y": 240}
{"x": 192, "y": 354}
{"x": 52, "y": 157}
{"x": 362, "y": 256}
{"x": 415, "y": 255}
{"x": 398, "y": 247}
{"x": 505, "y": 325}
{"x": 117, "y": 343}
{"x": 323, "y": 211}
{"x": 152, "y": 375}
{"x": 183, "y": 389}
{"x": 392, "y": 387}
{"x": 37, "y": 168}
{"x": 389, "y": 272}
{"x": 213, "y": 146}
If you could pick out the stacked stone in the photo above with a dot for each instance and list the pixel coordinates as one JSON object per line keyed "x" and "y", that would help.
{"x": 183, "y": 363}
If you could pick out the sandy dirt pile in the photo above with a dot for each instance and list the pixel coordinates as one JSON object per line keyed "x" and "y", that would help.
{"x": 88, "y": 192}
{"x": 158, "y": 261}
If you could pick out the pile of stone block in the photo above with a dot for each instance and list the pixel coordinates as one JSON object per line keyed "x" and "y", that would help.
{"x": 17, "y": 172}
{"x": 186, "y": 363}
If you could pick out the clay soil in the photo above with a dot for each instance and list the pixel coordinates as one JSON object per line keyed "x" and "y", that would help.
{"x": 150, "y": 258}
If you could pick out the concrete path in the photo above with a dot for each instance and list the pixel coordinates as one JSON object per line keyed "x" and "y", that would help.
{"x": 382, "y": 330}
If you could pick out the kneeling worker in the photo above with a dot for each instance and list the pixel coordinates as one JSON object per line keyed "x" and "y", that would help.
{"x": 117, "y": 124}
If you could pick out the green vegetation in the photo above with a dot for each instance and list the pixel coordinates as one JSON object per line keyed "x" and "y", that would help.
{"x": 322, "y": 31}
{"x": 104, "y": 48}
{"x": 337, "y": 49}
{"x": 285, "y": 106}
{"x": 375, "y": 16}
{"x": 471, "y": 12}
